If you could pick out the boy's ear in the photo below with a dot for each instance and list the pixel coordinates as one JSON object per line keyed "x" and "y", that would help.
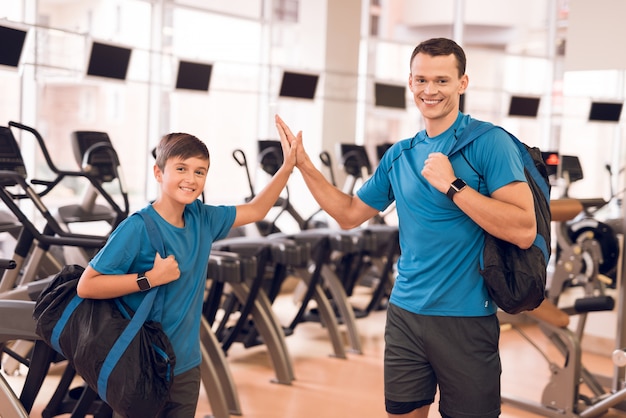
{"x": 157, "y": 172}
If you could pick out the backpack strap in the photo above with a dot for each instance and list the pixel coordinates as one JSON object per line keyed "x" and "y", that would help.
{"x": 158, "y": 245}
{"x": 473, "y": 130}
{"x": 138, "y": 319}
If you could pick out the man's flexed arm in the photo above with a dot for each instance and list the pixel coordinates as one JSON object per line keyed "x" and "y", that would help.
{"x": 348, "y": 211}
{"x": 508, "y": 214}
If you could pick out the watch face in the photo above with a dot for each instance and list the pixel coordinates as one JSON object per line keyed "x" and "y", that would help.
{"x": 143, "y": 283}
{"x": 458, "y": 184}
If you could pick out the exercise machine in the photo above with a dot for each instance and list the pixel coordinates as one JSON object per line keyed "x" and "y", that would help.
{"x": 288, "y": 257}
{"x": 17, "y": 323}
{"x": 577, "y": 265}
{"x": 242, "y": 298}
{"x": 34, "y": 241}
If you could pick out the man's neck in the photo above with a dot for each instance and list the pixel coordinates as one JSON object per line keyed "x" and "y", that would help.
{"x": 436, "y": 127}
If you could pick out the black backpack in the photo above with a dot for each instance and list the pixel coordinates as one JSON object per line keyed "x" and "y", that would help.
{"x": 516, "y": 278}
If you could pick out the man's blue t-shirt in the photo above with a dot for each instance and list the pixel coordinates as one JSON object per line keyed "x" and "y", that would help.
{"x": 128, "y": 250}
{"x": 438, "y": 271}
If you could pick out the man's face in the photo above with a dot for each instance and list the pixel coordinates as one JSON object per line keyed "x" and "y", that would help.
{"x": 436, "y": 86}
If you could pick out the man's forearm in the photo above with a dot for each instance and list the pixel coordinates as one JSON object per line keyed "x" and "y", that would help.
{"x": 332, "y": 200}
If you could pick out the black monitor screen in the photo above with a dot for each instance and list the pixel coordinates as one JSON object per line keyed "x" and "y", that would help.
{"x": 389, "y": 95}
{"x": 11, "y": 45}
{"x": 604, "y": 111}
{"x": 193, "y": 76}
{"x": 523, "y": 106}
{"x": 298, "y": 85}
{"x": 108, "y": 61}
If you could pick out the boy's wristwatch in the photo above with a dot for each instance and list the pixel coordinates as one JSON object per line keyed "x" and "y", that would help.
{"x": 456, "y": 186}
{"x": 143, "y": 282}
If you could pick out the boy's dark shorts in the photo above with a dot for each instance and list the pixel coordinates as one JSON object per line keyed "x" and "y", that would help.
{"x": 458, "y": 354}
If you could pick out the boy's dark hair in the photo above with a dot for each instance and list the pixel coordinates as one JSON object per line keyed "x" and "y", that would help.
{"x": 180, "y": 145}
{"x": 442, "y": 46}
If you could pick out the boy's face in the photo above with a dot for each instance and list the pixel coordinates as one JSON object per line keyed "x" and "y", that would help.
{"x": 182, "y": 180}
{"x": 436, "y": 85}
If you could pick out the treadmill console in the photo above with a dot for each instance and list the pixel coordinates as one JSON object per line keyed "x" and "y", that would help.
{"x": 94, "y": 153}
{"x": 10, "y": 156}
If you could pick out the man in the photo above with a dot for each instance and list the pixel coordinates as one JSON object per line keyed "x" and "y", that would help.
{"x": 441, "y": 328}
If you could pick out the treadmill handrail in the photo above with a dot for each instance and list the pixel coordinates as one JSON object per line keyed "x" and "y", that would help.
{"x": 62, "y": 237}
{"x": 61, "y": 174}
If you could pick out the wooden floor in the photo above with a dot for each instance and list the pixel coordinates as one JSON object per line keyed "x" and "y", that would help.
{"x": 330, "y": 387}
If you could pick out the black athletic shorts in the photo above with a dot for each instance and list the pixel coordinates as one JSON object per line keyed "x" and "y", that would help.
{"x": 457, "y": 354}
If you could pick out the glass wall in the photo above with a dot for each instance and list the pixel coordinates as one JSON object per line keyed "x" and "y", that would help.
{"x": 248, "y": 47}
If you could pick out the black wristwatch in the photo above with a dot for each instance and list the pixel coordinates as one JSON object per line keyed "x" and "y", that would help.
{"x": 456, "y": 186}
{"x": 143, "y": 282}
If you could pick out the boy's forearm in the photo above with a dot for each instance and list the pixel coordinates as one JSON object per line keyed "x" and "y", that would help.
{"x": 267, "y": 197}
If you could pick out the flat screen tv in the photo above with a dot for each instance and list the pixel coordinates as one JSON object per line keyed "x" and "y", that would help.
{"x": 193, "y": 76}
{"x": 11, "y": 46}
{"x": 605, "y": 111}
{"x": 108, "y": 61}
{"x": 298, "y": 85}
{"x": 524, "y": 106}
{"x": 390, "y": 95}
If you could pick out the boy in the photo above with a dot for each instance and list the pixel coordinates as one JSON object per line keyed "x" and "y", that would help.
{"x": 127, "y": 265}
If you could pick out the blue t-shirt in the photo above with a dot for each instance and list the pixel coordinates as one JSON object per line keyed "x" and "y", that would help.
{"x": 128, "y": 250}
{"x": 438, "y": 271}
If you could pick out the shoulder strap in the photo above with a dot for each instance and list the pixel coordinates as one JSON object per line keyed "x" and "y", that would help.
{"x": 476, "y": 128}
{"x": 138, "y": 319}
{"x": 473, "y": 130}
{"x": 157, "y": 243}
{"x": 153, "y": 233}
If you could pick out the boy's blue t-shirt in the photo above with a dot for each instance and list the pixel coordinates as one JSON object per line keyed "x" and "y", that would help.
{"x": 128, "y": 250}
{"x": 438, "y": 268}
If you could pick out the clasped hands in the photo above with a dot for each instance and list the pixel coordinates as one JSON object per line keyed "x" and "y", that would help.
{"x": 293, "y": 150}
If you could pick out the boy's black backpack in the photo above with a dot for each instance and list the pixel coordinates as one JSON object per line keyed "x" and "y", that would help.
{"x": 516, "y": 278}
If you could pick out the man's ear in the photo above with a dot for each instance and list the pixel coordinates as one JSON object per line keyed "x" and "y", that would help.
{"x": 464, "y": 83}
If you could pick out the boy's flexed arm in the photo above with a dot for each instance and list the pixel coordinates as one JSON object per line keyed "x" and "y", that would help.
{"x": 257, "y": 208}
{"x": 95, "y": 285}
{"x": 348, "y": 211}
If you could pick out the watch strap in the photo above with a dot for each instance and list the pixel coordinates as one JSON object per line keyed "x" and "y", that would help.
{"x": 456, "y": 186}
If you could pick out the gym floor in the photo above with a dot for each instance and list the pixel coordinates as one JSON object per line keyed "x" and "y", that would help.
{"x": 331, "y": 387}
